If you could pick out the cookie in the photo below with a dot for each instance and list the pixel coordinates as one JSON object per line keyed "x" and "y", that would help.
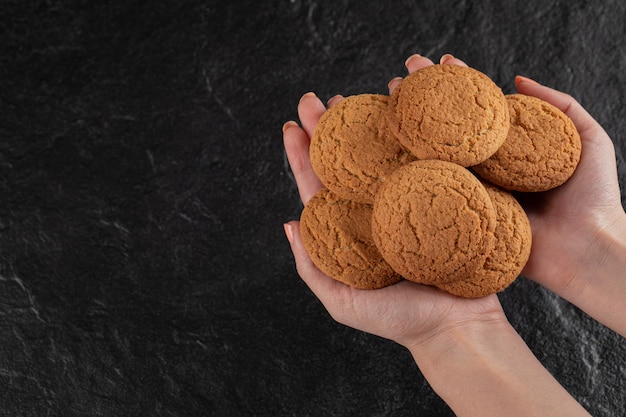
{"x": 433, "y": 222}
{"x": 542, "y": 149}
{"x": 450, "y": 113}
{"x": 513, "y": 240}
{"x": 352, "y": 149}
{"x": 336, "y": 234}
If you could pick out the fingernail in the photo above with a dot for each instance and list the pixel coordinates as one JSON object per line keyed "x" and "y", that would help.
{"x": 393, "y": 80}
{"x": 288, "y": 232}
{"x": 333, "y": 98}
{"x": 309, "y": 94}
{"x": 409, "y": 59}
{"x": 445, "y": 58}
{"x": 289, "y": 124}
{"x": 521, "y": 79}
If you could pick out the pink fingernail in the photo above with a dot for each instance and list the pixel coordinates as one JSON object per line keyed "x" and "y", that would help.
{"x": 288, "y": 232}
{"x": 445, "y": 58}
{"x": 393, "y": 81}
{"x": 521, "y": 79}
{"x": 289, "y": 124}
{"x": 409, "y": 59}
{"x": 333, "y": 98}
{"x": 309, "y": 94}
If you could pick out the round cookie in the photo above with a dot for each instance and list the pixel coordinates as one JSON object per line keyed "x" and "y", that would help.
{"x": 450, "y": 113}
{"x": 337, "y": 235}
{"x": 542, "y": 149}
{"x": 433, "y": 222}
{"x": 509, "y": 254}
{"x": 352, "y": 149}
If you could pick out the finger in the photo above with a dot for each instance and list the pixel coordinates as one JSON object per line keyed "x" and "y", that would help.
{"x": 585, "y": 124}
{"x": 297, "y": 143}
{"x": 416, "y": 62}
{"x": 393, "y": 84}
{"x": 334, "y": 100}
{"x": 413, "y": 63}
{"x": 310, "y": 109}
{"x": 323, "y": 286}
{"x": 449, "y": 59}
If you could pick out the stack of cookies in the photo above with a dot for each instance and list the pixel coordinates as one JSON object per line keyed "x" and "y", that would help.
{"x": 419, "y": 183}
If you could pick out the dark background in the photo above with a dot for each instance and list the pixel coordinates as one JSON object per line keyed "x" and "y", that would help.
{"x": 143, "y": 188}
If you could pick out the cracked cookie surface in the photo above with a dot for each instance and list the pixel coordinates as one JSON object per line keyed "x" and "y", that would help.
{"x": 450, "y": 113}
{"x": 352, "y": 149}
{"x": 513, "y": 240}
{"x": 433, "y": 222}
{"x": 541, "y": 151}
{"x": 337, "y": 235}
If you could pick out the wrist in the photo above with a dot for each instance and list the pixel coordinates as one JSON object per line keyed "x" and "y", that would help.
{"x": 462, "y": 318}
{"x": 603, "y": 254}
{"x": 600, "y": 285}
{"x": 449, "y": 351}
{"x": 486, "y": 369}
{"x": 454, "y": 359}
{"x": 612, "y": 236}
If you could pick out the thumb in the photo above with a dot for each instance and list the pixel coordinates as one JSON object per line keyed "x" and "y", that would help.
{"x": 323, "y": 286}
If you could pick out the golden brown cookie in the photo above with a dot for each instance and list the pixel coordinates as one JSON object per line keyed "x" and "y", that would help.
{"x": 433, "y": 222}
{"x": 450, "y": 113}
{"x": 337, "y": 235}
{"x": 352, "y": 149}
{"x": 509, "y": 254}
{"x": 542, "y": 149}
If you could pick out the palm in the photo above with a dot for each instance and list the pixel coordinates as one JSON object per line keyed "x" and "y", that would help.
{"x": 561, "y": 218}
{"x": 406, "y": 312}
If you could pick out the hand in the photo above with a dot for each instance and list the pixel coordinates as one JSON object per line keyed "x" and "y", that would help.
{"x": 579, "y": 229}
{"x": 465, "y": 348}
{"x": 407, "y": 313}
{"x": 568, "y": 221}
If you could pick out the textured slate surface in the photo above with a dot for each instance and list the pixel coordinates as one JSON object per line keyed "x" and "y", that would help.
{"x": 143, "y": 267}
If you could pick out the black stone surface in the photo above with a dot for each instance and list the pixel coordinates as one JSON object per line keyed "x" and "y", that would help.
{"x": 143, "y": 187}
